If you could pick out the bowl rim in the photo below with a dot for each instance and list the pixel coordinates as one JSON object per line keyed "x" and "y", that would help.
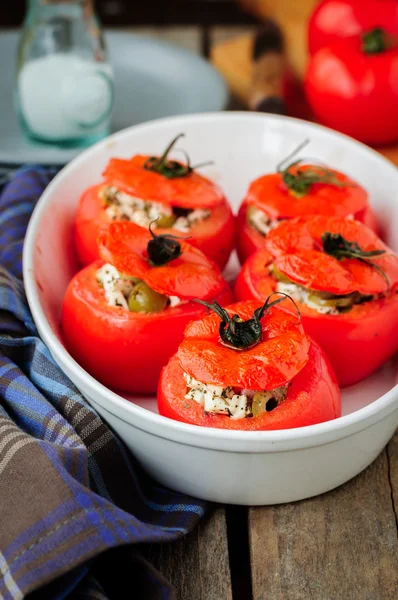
{"x": 147, "y": 420}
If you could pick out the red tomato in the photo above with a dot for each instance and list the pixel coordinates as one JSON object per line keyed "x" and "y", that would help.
{"x": 284, "y": 356}
{"x": 356, "y": 342}
{"x": 335, "y": 19}
{"x": 269, "y": 194}
{"x": 213, "y": 235}
{"x": 355, "y": 92}
{"x": 126, "y": 350}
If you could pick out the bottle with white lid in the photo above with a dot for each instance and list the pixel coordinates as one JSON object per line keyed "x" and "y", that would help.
{"x": 64, "y": 83}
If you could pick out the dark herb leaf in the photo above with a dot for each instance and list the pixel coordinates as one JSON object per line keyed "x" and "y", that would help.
{"x": 238, "y": 334}
{"x": 171, "y": 169}
{"x": 299, "y": 181}
{"x": 337, "y": 246}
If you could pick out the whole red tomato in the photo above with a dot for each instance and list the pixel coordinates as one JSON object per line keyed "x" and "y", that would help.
{"x": 282, "y": 356}
{"x": 335, "y": 19}
{"x": 163, "y": 184}
{"x": 289, "y": 193}
{"x": 123, "y": 349}
{"x": 360, "y": 277}
{"x": 352, "y": 86}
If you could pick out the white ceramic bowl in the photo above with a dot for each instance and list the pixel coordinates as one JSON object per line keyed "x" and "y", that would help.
{"x": 264, "y": 467}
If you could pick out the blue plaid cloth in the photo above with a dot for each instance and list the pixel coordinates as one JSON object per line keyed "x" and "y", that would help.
{"x": 72, "y": 501}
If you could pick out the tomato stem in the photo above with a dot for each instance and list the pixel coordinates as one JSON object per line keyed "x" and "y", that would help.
{"x": 337, "y": 246}
{"x": 238, "y": 334}
{"x": 298, "y": 181}
{"x": 172, "y": 169}
{"x": 375, "y": 41}
{"x": 163, "y": 248}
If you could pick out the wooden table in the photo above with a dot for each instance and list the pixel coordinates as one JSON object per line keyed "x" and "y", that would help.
{"x": 339, "y": 546}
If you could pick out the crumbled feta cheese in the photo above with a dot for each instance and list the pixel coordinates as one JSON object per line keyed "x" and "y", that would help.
{"x": 216, "y": 399}
{"x": 215, "y": 404}
{"x": 238, "y": 407}
{"x": 224, "y": 400}
{"x": 185, "y": 223}
{"x": 262, "y": 222}
{"x": 125, "y": 207}
{"x": 117, "y": 287}
{"x": 300, "y": 294}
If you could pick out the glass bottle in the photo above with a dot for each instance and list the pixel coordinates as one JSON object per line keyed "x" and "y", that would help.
{"x": 64, "y": 82}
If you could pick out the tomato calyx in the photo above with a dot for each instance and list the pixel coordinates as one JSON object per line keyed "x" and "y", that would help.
{"x": 164, "y": 247}
{"x": 299, "y": 181}
{"x": 171, "y": 169}
{"x": 237, "y": 334}
{"x": 376, "y": 41}
{"x": 337, "y": 246}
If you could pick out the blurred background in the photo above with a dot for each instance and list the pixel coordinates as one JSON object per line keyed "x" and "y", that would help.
{"x": 204, "y": 17}
{"x": 259, "y": 47}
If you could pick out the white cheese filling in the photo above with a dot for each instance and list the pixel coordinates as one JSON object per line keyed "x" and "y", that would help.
{"x": 224, "y": 400}
{"x": 195, "y": 216}
{"x": 297, "y": 292}
{"x": 124, "y": 207}
{"x": 118, "y": 288}
{"x": 262, "y": 222}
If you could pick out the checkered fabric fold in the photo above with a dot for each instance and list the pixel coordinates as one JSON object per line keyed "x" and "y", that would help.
{"x": 73, "y": 504}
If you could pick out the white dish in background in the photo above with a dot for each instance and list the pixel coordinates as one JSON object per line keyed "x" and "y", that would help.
{"x": 153, "y": 79}
{"x": 264, "y": 467}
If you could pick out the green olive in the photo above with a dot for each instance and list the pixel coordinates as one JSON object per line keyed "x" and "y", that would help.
{"x": 143, "y": 299}
{"x": 259, "y": 403}
{"x": 326, "y": 299}
{"x": 280, "y": 276}
{"x": 165, "y": 221}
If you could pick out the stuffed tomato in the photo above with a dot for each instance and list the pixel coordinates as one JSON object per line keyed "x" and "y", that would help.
{"x": 297, "y": 190}
{"x": 249, "y": 368}
{"x": 124, "y": 316}
{"x": 144, "y": 189}
{"x": 345, "y": 282}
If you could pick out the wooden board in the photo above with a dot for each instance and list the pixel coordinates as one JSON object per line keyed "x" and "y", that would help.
{"x": 233, "y": 57}
{"x": 197, "y": 565}
{"x": 339, "y": 546}
{"x": 342, "y": 545}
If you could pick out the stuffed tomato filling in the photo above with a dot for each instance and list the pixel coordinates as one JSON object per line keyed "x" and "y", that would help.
{"x": 323, "y": 302}
{"x": 263, "y": 224}
{"x": 260, "y": 221}
{"x": 235, "y": 403}
{"x": 131, "y": 293}
{"x": 124, "y": 207}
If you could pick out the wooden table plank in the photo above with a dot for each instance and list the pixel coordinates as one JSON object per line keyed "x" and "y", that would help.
{"x": 392, "y": 456}
{"x": 339, "y": 546}
{"x": 198, "y": 564}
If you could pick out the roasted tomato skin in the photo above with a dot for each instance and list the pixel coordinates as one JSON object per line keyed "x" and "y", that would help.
{"x": 269, "y": 194}
{"x": 357, "y": 342}
{"x": 215, "y": 236}
{"x": 336, "y": 19}
{"x": 313, "y": 398}
{"x": 248, "y": 239}
{"x": 122, "y": 349}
